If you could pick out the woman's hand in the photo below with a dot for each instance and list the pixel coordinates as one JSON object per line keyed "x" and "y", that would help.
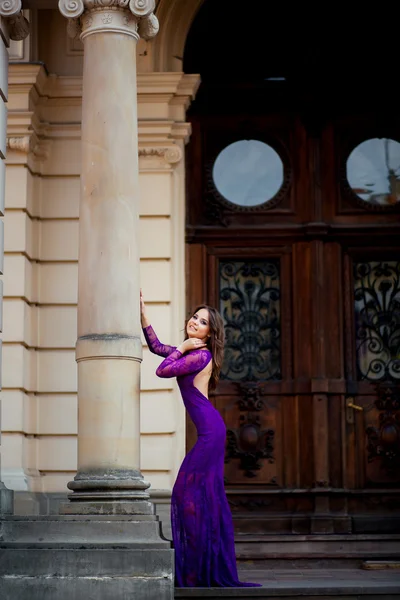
{"x": 143, "y": 316}
{"x": 191, "y": 344}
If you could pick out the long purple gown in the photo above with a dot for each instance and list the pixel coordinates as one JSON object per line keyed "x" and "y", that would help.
{"x": 202, "y": 527}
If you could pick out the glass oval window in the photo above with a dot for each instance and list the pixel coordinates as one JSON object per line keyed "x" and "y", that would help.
{"x": 373, "y": 171}
{"x": 248, "y": 173}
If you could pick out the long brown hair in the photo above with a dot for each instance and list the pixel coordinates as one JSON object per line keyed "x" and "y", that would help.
{"x": 215, "y": 342}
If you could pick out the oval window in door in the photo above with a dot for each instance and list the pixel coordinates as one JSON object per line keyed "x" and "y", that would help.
{"x": 373, "y": 171}
{"x": 248, "y": 173}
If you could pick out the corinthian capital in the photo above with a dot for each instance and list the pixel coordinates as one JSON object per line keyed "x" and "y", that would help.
{"x": 133, "y": 17}
{"x": 18, "y": 26}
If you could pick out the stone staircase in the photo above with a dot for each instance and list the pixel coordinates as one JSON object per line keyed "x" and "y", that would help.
{"x": 118, "y": 558}
{"x": 317, "y": 567}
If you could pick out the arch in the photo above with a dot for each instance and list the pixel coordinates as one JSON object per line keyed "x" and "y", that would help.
{"x": 176, "y": 18}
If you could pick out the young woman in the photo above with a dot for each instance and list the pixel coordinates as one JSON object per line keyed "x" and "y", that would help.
{"x": 202, "y": 525}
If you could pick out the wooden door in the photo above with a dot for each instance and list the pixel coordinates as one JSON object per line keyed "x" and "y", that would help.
{"x": 313, "y": 421}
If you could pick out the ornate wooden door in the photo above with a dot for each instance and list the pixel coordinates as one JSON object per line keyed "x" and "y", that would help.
{"x": 292, "y": 232}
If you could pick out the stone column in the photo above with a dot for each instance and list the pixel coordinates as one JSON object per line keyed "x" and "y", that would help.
{"x": 108, "y": 350}
{"x": 14, "y": 26}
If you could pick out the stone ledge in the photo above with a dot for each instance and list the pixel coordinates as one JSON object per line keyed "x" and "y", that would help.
{"x": 106, "y": 562}
{"x": 58, "y": 530}
{"x": 82, "y": 588}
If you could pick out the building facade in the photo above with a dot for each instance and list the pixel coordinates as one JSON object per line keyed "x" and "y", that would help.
{"x": 41, "y": 253}
{"x": 301, "y": 256}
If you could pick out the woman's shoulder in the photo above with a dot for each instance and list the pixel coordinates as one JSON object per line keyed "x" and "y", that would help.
{"x": 204, "y": 351}
{"x": 201, "y": 353}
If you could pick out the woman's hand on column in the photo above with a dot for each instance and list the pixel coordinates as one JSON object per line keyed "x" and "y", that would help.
{"x": 143, "y": 317}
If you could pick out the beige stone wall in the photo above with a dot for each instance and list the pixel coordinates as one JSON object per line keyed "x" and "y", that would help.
{"x": 3, "y": 132}
{"x": 41, "y": 262}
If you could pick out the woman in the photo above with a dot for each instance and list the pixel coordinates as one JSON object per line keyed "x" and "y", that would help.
{"x": 202, "y": 525}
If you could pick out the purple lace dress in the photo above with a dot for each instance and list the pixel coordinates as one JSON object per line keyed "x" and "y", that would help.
{"x": 202, "y": 527}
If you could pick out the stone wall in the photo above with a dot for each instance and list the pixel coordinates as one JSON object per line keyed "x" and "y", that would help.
{"x": 3, "y": 133}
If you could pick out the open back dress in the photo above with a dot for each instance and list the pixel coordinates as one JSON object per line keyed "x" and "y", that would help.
{"x": 202, "y": 526}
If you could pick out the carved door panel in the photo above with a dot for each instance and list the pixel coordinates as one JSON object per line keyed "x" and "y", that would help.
{"x": 256, "y": 360}
{"x": 372, "y": 413}
{"x": 295, "y": 278}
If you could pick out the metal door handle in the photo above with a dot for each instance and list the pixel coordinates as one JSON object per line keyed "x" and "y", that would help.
{"x": 350, "y": 408}
{"x": 350, "y": 404}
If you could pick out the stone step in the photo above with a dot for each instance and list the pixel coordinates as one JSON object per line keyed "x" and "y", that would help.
{"x": 318, "y": 584}
{"x": 78, "y": 562}
{"x": 347, "y": 546}
{"x": 50, "y": 531}
{"x": 85, "y": 588}
{"x": 381, "y": 564}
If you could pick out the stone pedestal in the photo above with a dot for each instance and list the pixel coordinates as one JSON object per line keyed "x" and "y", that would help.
{"x": 107, "y": 557}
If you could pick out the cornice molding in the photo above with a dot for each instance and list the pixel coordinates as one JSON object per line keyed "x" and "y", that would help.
{"x": 179, "y": 86}
{"x": 32, "y": 87}
{"x": 40, "y": 148}
{"x": 27, "y": 75}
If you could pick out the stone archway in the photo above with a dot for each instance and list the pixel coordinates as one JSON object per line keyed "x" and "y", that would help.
{"x": 176, "y": 17}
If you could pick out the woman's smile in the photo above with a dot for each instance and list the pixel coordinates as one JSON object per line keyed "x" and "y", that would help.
{"x": 198, "y": 325}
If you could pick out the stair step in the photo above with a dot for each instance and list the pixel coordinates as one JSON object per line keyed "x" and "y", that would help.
{"x": 365, "y": 547}
{"x": 317, "y": 584}
{"x": 380, "y": 564}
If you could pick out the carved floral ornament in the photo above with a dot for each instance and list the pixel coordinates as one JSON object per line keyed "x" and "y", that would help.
{"x": 133, "y": 17}
{"x": 18, "y": 26}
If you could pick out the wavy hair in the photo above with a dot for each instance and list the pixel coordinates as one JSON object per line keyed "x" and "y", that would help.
{"x": 215, "y": 342}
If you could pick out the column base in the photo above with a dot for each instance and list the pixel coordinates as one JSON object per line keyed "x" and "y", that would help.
{"x": 97, "y": 507}
{"x": 111, "y": 492}
{"x": 6, "y": 500}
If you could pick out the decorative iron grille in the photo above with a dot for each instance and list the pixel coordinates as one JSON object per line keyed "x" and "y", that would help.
{"x": 250, "y": 306}
{"x": 377, "y": 320}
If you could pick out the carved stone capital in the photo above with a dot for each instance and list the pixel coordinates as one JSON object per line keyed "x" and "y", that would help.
{"x": 132, "y": 17}
{"x": 18, "y": 25}
{"x": 148, "y": 27}
{"x": 142, "y": 8}
{"x": 10, "y": 8}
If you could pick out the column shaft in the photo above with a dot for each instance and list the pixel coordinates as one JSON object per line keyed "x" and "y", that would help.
{"x": 109, "y": 344}
{"x": 109, "y": 349}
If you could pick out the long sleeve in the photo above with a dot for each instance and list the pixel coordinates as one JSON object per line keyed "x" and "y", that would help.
{"x": 154, "y": 344}
{"x": 178, "y": 364}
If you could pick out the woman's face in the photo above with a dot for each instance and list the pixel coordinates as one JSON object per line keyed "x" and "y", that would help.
{"x": 199, "y": 325}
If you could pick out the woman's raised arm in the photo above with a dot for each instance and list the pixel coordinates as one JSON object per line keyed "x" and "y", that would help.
{"x": 154, "y": 344}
